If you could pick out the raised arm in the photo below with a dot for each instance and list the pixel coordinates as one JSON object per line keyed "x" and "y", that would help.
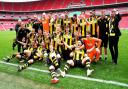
{"x": 70, "y": 47}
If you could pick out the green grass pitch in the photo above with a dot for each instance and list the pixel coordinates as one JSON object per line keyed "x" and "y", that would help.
{"x": 29, "y": 79}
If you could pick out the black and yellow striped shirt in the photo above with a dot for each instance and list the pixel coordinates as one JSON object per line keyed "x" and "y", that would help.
{"x": 93, "y": 26}
{"x": 53, "y": 59}
{"x": 78, "y": 55}
{"x": 57, "y": 39}
{"x": 51, "y": 26}
{"x": 82, "y": 27}
{"x": 68, "y": 40}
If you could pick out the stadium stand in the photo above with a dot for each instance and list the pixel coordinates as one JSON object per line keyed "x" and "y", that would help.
{"x": 124, "y": 22}
{"x": 7, "y": 6}
{"x": 87, "y": 2}
{"x": 16, "y": 6}
{"x": 6, "y": 25}
{"x": 1, "y": 7}
{"x": 109, "y": 1}
{"x": 119, "y": 1}
{"x": 43, "y": 5}
{"x": 97, "y": 2}
{"x": 50, "y": 4}
{"x": 57, "y": 4}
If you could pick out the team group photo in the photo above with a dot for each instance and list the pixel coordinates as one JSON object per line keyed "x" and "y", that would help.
{"x": 77, "y": 44}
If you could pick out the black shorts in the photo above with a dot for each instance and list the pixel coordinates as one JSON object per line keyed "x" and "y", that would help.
{"x": 49, "y": 62}
{"x": 94, "y": 35}
{"x": 66, "y": 54}
{"x": 104, "y": 42}
{"x": 78, "y": 63}
{"x": 31, "y": 57}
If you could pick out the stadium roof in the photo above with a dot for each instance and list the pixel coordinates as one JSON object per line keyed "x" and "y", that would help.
{"x": 18, "y": 0}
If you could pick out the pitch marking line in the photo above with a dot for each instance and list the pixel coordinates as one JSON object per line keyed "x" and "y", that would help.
{"x": 74, "y": 76}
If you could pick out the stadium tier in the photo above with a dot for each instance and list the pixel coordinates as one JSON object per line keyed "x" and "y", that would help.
{"x": 124, "y": 23}
{"x": 6, "y": 18}
{"x": 97, "y": 2}
{"x": 51, "y": 4}
{"x": 5, "y": 25}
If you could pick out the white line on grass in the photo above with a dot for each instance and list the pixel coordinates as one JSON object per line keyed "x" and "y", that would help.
{"x": 74, "y": 76}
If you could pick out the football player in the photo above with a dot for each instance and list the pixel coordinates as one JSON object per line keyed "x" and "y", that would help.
{"x": 78, "y": 57}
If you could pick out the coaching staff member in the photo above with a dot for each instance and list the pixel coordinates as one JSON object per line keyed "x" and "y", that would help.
{"x": 36, "y": 24}
{"x": 114, "y": 34}
{"x": 18, "y": 25}
{"x": 103, "y": 23}
{"x": 21, "y": 35}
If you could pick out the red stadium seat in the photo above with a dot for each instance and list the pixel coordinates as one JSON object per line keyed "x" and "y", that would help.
{"x": 1, "y": 7}
{"x": 124, "y": 22}
{"x": 97, "y": 2}
{"x": 122, "y": 1}
{"x": 25, "y": 6}
{"x": 66, "y": 3}
{"x": 76, "y": 1}
{"x": 7, "y": 6}
{"x": 16, "y": 6}
{"x": 6, "y": 25}
{"x": 88, "y": 2}
{"x": 40, "y": 5}
{"x": 109, "y": 1}
{"x": 50, "y": 4}
{"x": 57, "y": 4}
